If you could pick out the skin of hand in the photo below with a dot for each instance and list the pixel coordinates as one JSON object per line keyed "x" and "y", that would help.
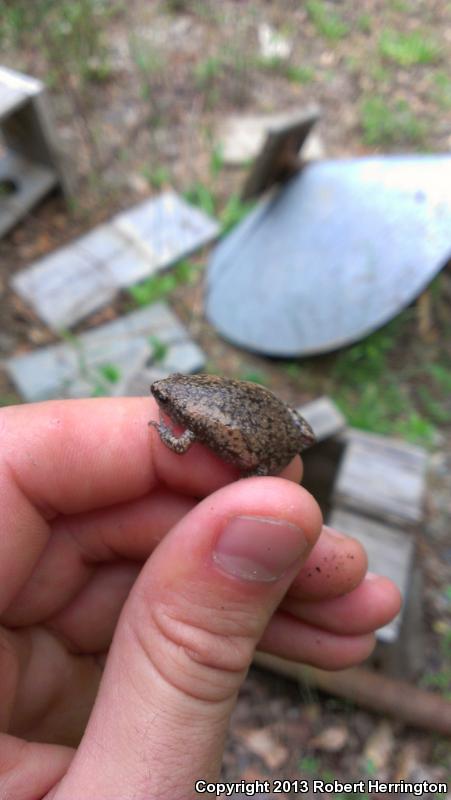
{"x": 135, "y": 585}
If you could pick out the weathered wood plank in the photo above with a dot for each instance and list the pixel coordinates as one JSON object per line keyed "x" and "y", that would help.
{"x": 390, "y": 553}
{"x": 382, "y": 477}
{"x": 324, "y": 417}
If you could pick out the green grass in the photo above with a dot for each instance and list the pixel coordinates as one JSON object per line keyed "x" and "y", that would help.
{"x": 70, "y": 35}
{"x": 383, "y": 124}
{"x": 408, "y": 49}
{"x": 441, "y": 93}
{"x": 297, "y": 74}
{"x": 326, "y": 20}
{"x": 159, "y": 286}
{"x": 370, "y": 392}
{"x": 158, "y": 177}
{"x": 441, "y": 678}
{"x": 253, "y": 376}
{"x": 204, "y": 198}
{"x": 207, "y": 71}
{"x": 365, "y": 23}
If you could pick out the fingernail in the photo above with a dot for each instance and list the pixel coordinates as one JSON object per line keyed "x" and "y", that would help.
{"x": 371, "y": 576}
{"x": 259, "y": 548}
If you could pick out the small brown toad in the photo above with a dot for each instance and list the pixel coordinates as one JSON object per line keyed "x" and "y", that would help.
{"x": 242, "y": 422}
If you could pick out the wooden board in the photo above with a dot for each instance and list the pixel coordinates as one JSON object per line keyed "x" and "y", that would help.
{"x": 382, "y": 477}
{"x": 390, "y": 553}
{"x": 324, "y": 417}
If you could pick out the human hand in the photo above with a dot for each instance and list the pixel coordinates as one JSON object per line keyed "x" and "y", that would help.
{"x": 112, "y": 544}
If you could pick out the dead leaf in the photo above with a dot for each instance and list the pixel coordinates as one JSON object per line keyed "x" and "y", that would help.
{"x": 379, "y": 747}
{"x": 264, "y": 744}
{"x": 331, "y": 740}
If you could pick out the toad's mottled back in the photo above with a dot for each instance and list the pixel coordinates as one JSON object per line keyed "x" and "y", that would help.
{"x": 244, "y": 423}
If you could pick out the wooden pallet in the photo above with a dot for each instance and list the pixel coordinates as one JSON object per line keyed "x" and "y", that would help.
{"x": 372, "y": 488}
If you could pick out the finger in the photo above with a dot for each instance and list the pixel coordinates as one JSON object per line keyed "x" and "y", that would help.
{"x": 368, "y": 607}
{"x": 88, "y": 623}
{"x": 336, "y": 566}
{"x": 82, "y": 455}
{"x": 186, "y": 637}
{"x": 79, "y": 543}
{"x": 46, "y": 694}
{"x": 29, "y": 770}
{"x": 289, "y": 637}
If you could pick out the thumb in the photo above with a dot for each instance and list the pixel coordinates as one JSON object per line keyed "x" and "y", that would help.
{"x": 185, "y": 640}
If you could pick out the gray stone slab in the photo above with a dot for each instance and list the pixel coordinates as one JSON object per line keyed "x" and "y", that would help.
{"x": 341, "y": 249}
{"x": 390, "y": 553}
{"x": 80, "y": 278}
{"x": 31, "y": 183}
{"x": 77, "y": 367}
{"x": 165, "y": 229}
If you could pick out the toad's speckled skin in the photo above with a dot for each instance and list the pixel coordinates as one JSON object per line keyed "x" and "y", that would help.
{"x": 245, "y": 424}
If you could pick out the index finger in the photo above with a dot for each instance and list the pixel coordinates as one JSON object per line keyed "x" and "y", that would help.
{"x": 71, "y": 456}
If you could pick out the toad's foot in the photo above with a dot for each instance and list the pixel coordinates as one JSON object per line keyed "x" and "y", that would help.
{"x": 178, "y": 444}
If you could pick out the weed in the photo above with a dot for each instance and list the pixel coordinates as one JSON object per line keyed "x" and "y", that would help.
{"x": 158, "y": 286}
{"x": 299, "y": 74}
{"x": 407, "y": 49}
{"x": 398, "y": 5}
{"x": 154, "y": 288}
{"x": 441, "y": 679}
{"x": 8, "y": 400}
{"x": 254, "y": 376}
{"x": 293, "y": 369}
{"x": 159, "y": 349}
{"x": 365, "y": 23}
{"x": 326, "y": 21}
{"x": 233, "y": 212}
{"x": 158, "y": 177}
{"x": 370, "y": 394}
{"x": 202, "y": 197}
{"x": 206, "y": 72}
{"x": 110, "y": 372}
{"x": 385, "y": 125}
{"x": 309, "y": 765}
{"x": 216, "y": 161}
{"x": 442, "y": 90}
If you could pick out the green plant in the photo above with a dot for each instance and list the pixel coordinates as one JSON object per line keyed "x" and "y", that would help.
{"x": 158, "y": 177}
{"x": 216, "y": 161}
{"x": 297, "y": 74}
{"x": 207, "y": 71}
{"x": 158, "y": 286}
{"x": 385, "y": 125}
{"x": 110, "y": 372}
{"x": 326, "y": 20}
{"x": 309, "y": 765}
{"x": 202, "y": 197}
{"x": 442, "y": 90}
{"x": 365, "y": 23}
{"x": 441, "y": 678}
{"x": 154, "y": 288}
{"x": 254, "y": 376}
{"x": 233, "y": 212}
{"x": 159, "y": 348}
{"x": 407, "y": 49}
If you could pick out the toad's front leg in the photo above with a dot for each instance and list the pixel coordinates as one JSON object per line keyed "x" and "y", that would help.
{"x": 178, "y": 444}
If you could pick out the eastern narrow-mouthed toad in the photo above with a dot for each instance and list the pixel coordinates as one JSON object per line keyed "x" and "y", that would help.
{"x": 242, "y": 422}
